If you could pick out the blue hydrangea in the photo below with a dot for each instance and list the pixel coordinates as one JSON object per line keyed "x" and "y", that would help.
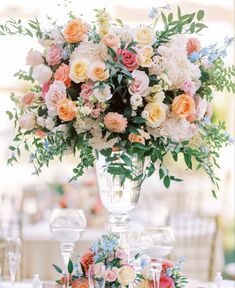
{"x": 46, "y": 145}
{"x": 95, "y": 247}
{"x": 109, "y": 243}
{"x": 193, "y": 57}
{"x": 169, "y": 272}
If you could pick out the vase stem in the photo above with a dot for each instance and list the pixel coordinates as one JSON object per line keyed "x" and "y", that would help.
{"x": 119, "y": 224}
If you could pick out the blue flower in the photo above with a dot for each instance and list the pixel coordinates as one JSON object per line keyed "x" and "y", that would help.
{"x": 168, "y": 272}
{"x": 109, "y": 242}
{"x": 228, "y": 41}
{"x": 31, "y": 157}
{"x": 153, "y": 13}
{"x": 46, "y": 145}
{"x": 95, "y": 247}
{"x": 144, "y": 262}
{"x": 194, "y": 56}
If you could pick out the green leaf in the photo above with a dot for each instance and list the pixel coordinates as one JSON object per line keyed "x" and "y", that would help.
{"x": 200, "y": 15}
{"x": 127, "y": 112}
{"x": 138, "y": 120}
{"x": 161, "y": 173}
{"x": 178, "y": 12}
{"x": 120, "y": 76}
{"x": 119, "y": 21}
{"x": 70, "y": 267}
{"x": 170, "y": 17}
{"x": 167, "y": 181}
{"x": 10, "y": 115}
{"x": 192, "y": 27}
{"x": 57, "y": 269}
{"x": 164, "y": 19}
{"x": 12, "y": 148}
{"x": 112, "y": 52}
{"x": 188, "y": 160}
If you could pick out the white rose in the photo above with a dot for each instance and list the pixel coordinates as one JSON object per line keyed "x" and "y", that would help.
{"x": 41, "y": 121}
{"x": 144, "y": 35}
{"x": 79, "y": 70}
{"x": 103, "y": 94}
{"x": 50, "y": 123}
{"x": 42, "y": 73}
{"x": 34, "y": 58}
{"x": 136, "y": 100}
{"x": 27, "y": 121}
{"x": 56, "y": 92}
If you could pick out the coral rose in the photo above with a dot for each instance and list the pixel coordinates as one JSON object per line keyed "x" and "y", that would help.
{"x": 128, "y": 59}
{"x": 27, "y": 98}
{"x": 115, "y": 122}
{"x": 40, "y": 133}
{"x": 154, "y": 113}
{"x": 98, "y": 72}
{"x": 166, "y": 264}
{"x": 183, "y": 106}
{"x": 166, "y": 282}
{"x": 193, "y": 45}
{"x": 87, "y": 260}
{"x": 133, "y": 138}
{"x": 78, "y": 283}
{"x": 66, "y": 109}
{"x": 75, "y": 31}
{"x": 126, "y": 275}
{"x": 62, "y": 74}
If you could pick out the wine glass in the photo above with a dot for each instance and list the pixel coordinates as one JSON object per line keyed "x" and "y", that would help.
{"x": 13, "y": 253}
{"x": 67, "y": 226}
{"x": 157, "y": 243}
{"x": 96, "y": 280}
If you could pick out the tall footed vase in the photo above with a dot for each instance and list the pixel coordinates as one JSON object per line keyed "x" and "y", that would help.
{"x": 118, "y": 197}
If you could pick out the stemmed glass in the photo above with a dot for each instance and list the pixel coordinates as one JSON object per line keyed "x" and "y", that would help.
{"x": 67, "y": 226}
{"x": 157, "y": 243}
{"x": 13, "y": 253}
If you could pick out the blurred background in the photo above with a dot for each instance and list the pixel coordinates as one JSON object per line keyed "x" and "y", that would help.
{"x": 204, "y": 226}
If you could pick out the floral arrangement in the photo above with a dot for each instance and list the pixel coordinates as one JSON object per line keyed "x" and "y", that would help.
{"x": 109, "y": 263}
{"x": 171, "y": 275}
{"x": 145, "y": 91}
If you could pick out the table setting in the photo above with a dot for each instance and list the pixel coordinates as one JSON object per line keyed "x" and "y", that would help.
{"x": 123, "y": 100}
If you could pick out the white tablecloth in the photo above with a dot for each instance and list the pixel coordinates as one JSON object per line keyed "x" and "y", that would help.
{"x": 191, "y": 284}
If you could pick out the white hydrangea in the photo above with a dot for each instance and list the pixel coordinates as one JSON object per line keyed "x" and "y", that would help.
{"x": 173, "y": 60}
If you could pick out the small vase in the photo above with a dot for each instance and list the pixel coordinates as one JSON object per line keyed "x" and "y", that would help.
{"x": 119, "y": 197}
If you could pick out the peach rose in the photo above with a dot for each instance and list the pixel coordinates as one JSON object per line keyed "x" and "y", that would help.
{"x": 133, "y": 138}
{"x": 126, "y": 275}
{"x": 27, "y": 121}
{"x": 154, "y": 113}
{"x": 87, "y": 260}
{"x": 62, "y": 74}
{"x": 66, "y": 109}
{"x": 27, "y": 98}
{"x": 98, "y": 72}
{"x": 111, "y": 40}
{"x": 193, "y": 45}
{"x": 183, "y": 106}
{"x": 115, "y": 122}
{"x": 75, "y": 31}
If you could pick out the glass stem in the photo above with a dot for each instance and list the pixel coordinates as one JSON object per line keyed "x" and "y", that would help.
{"x": 66, "y": 251}
{"x": 119, "y": 224}
{"x": 156, "y": 268}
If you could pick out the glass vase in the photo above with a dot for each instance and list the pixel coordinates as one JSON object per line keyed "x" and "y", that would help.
{"x": 119, "y": 197}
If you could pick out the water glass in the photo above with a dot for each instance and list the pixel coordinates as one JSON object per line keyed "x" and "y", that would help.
{"x": 13, "y": 253}
{"x": 67, "y": 226}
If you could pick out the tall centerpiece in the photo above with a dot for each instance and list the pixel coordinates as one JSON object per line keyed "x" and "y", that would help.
{"x": 132, "y": 95}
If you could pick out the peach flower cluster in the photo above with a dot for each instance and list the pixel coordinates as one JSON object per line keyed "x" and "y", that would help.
{"x": 115, "y": 122}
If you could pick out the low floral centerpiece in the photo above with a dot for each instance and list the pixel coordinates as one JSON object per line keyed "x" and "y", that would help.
{"x": 145, "y": 91}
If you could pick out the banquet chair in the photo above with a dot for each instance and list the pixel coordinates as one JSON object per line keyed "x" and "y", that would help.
{"x": 196, "y": 240}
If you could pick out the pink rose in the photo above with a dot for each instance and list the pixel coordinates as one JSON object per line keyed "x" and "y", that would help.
{"x": 121, "y": 254}
{"x": 140, "y": 84}
{"x": 111, "y": 275}
{"x": 95, "y": 113}
{"x": 189, "y": 87}
{"x": 54, "y": 55}
{"x": 27, "y": 121}
{"x": 86, "y": 90}
{"x": 42, "y": 73}
{"x": 27, "y": 98}
{"x": 128, "y": 59}
{"x": 200, "y": 109}
{"x": 34, "y": 58}
{"x": 45, "y": 88}
{"x": 166, "y": 282}
{"x": 56, "y": 92}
